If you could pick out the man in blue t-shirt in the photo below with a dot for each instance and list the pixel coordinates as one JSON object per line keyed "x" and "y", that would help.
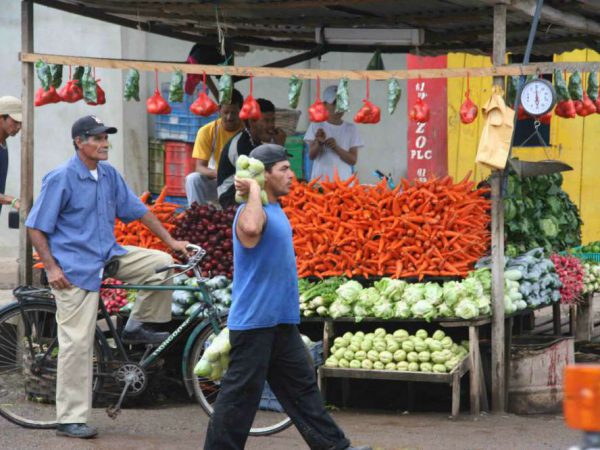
{"x": 263, "y": 319}
{"x": 10, "y": 125}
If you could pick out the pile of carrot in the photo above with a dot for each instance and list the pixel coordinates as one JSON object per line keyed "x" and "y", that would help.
{"x": 136, "y": 233}
{"x": 431, "y": 228}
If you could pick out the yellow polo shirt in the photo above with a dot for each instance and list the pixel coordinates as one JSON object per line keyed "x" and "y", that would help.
{"x": 211, "y": 139}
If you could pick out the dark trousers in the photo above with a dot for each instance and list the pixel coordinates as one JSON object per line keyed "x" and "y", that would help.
{"x": 279, "y": 356}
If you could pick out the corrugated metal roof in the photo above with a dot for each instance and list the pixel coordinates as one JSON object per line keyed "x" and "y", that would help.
{"x": 449, "y": 25}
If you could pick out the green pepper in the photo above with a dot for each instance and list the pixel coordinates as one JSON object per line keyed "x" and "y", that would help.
{"x": 78, "y": 74}
{"x": 561, "y": 86}
{"x": 394, "y": 94}
{"x": 341, "y": 97}
{"x": 575, "y": 87}
{"x": 592, "y": 86}
{"x": 225, "y": 89}
{"x": 44, "y": 74}
{"x": 56, "y": 71}
{"x": 294, "y": 92}
{"x": 90, "y": 92}
{"x": 132, "y": 86}
{"x": 512, "y": 87}
{"x": 176, "y": 87}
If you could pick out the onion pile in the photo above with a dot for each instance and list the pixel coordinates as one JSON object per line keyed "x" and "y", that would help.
{"x": 210, "y": 228}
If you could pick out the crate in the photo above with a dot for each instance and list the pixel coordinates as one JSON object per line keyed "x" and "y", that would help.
{"x": 295, "y": 146}
{"x": 178, "y": 163}
{"x": 268, "y": 400}
{"x": 156, "y": 165}
{"x": 595, "y": 257}
{"x": 181, "y": 124}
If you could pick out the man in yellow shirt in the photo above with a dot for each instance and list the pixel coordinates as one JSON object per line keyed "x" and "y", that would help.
{"x": 201, "y": 185}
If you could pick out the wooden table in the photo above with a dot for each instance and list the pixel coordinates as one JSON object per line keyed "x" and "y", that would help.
{"x": 472, "y": 364}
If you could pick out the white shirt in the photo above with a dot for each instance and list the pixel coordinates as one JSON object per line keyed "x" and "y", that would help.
{"x": 94, "y": 174}
{"x": 346, "y": 136}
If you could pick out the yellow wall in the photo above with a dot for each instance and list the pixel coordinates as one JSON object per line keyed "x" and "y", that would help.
{"x": 573, "y": 141}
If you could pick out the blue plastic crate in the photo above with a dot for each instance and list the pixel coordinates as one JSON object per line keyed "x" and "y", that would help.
{"x": 181, "y": 124}
{"x": 268, "y": 400}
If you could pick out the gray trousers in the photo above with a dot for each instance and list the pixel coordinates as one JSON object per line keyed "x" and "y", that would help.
{"x": 200, "y": 189}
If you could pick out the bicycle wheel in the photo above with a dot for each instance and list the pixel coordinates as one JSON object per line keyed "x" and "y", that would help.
{"x": 270, "y": 417}
{"x": 28, "y": 364}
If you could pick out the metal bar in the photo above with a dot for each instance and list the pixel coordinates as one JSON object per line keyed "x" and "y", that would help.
{"x": 498, "y": 70}
{"x": 26, "y": 193}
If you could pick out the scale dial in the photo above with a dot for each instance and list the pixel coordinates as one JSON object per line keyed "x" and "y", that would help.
{"x": 538, "y": 97}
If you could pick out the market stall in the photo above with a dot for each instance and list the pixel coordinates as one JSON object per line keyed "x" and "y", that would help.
{"x": 442, "y": 245}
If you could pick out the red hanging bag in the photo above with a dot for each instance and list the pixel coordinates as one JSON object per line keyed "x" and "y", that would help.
{"x": 204, "y": 105}
{"x": 369, "y": 113}
{"x": 250, "y": 108}
{"x": 468, "y": 110}
{"x": 317, "y": 111}
{"x": 419, "y": 111}
{"x": 70, "y": 92}
{"x": 157, "y": 104}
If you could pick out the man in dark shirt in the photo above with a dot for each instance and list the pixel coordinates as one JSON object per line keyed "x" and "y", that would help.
{"x": 255, "y": 133}
{"x": 10, "y": 125}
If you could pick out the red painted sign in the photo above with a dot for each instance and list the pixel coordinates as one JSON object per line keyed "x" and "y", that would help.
{"x": 427, "y": 141}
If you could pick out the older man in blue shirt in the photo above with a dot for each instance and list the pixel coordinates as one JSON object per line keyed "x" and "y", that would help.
{"x": 71, "y": 226}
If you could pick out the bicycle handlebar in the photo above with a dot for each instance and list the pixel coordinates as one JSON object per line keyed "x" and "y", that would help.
{"x": 192, "y": 262}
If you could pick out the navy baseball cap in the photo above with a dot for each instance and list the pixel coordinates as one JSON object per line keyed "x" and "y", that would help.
{"x": 90, "y": 126}
{"x": 269, "y": 153}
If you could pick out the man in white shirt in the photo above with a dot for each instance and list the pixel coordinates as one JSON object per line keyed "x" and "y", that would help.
{"x": 333, "y": 145}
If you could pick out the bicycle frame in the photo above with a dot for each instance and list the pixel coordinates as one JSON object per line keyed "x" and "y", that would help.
{"x": 212, "y": 319}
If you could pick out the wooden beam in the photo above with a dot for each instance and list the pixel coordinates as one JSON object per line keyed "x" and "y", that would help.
{"x": 498, "y": 331}
{"x": 26, "y": 192}
{"x": 549, "y": 14}
{"x": 272, "y": 72}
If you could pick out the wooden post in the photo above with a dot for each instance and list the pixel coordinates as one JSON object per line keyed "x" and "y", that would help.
{"x": 26, "y": 193}
{"x": 498, "y": 347}
{"x": 585, "y": 319}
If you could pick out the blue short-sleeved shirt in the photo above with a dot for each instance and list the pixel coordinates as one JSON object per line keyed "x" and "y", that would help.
{"x": 77, "y": 214}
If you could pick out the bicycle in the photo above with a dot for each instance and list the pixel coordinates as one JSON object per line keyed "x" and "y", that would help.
{"x": 29, "y": 349}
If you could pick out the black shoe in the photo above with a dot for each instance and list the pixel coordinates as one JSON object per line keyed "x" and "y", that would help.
{"x": 143, "y": 335}
{"x": 362, "y": 447}
{"x": 76, "y": 430}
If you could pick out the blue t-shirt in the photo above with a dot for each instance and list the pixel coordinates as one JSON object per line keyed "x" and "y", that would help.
{"x": 3, "y": 168}
{"x": 265, "y": 280}
{"x": 77, "y": 214}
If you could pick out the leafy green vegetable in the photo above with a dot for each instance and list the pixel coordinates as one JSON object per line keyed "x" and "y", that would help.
{"x": 90, "y": 90}
{"x": 44, "y": 74}
{"x": 56, "y": 71}
{"x": 294, "y": 91}
{"x": 132, "y": 86}
{"x": 341, "y": 97}
{"x": 225, "y": 89}
{"x": 176, "y": 87}
{"x": 394, "y": 94}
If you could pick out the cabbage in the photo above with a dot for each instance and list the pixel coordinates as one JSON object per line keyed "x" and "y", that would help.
{"x": 360, "y": 355}
{"x": 435, "y": 345}
{"x": 386, "y": 357}
{"x": 242, "y": 162}
{"x": 426, "y": 367}
{"x": 413, "y": 367}
{"x": 378, "y": 365}
{"x": 394, "y": 289}
{"x": 466, "y": 309}
{"x": 368, "y": 297}
{"x": 439, "y": 368}
{"x": 383, "y": 309}
{"x": 203, "y": 368}
{"x": 332, "y": 361}
{"x": 485, "y": 304}
{"x": 402, "y": 366}
{"x": 390, "y": 366}
{"x": 433, "y": 293}
{"x": 349, "y": 292}
{"x": 400, "y": 335}
{"x": 420, "y": 345}
{"x": 359, "y": 312}
{"x": 452, "y": 291}
{"x": 412, "y": 357}
{"x": 473, "y": 287}
{"x": 373, "y": 355}
{"x": 344, "y": 363}
{"x": 438, "y": 335}
{"x": 413, "y": 293}
{"x": 366, "y": 364}
{"x": 424, "y": 356}
{"x": 422, "y": 309}
{"x": 401, "y": 310}
{"x": 443, "y": 310}
{"x": 422, "y": 334}
{"x": 399, "y": 355}
{"x": 339, "y": 309}
{"x": 379, "y": 345}
{"x": 349, "y": 355}
{"x": 355, "y": 364}
{"x": 366, "y": 344}
{"x": 392, "y": 346}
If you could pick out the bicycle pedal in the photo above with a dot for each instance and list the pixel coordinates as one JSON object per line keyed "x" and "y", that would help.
{"x": 113, "y": 412}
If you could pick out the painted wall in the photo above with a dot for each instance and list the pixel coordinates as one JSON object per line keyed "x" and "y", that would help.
{"x": 61, "y": 33}
{"x": 573, "y": 141}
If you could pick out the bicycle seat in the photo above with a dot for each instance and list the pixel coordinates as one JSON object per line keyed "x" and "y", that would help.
{"x": 110, "y": 269}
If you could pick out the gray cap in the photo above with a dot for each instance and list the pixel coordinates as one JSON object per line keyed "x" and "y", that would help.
{"x": 269, "y": 153}
{"x": 330, "y": 94}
